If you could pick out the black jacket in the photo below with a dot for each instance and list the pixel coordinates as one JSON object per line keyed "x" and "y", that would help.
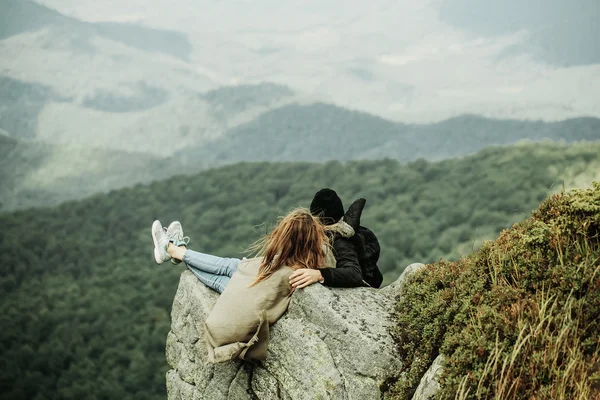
{"x": 356, "y": 252}
{"x": 347, "y": 272}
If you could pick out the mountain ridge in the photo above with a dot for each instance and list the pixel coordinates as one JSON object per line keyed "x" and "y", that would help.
{"x": 331, "y": 132}
{"x": 401, "y": 76}
{"x": 313, "y": 132}
{"x": 39, "y": 16}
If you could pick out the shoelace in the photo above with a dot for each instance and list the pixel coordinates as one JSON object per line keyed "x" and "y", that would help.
{"x": 185, "y": 239}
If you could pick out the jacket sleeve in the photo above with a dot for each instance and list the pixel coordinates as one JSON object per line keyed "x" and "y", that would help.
{"x": 347, "y": 272}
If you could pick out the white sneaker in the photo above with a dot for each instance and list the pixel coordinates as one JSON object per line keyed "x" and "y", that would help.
{"x": 175, "y": 235}
{"x": 161, "y": 242}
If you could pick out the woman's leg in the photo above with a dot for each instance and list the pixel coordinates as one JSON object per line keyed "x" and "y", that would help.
{"x": 215, "y": 282}
{"x": 205, "y": 262}
{"x": 214, "y": 272}
{"x": 212, "y": 264}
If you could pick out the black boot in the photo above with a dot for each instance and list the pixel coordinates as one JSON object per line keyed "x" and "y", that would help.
{"x": 352, "y": 216}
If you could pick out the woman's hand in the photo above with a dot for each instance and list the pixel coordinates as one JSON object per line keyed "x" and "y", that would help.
{"x": 304, "y": 277}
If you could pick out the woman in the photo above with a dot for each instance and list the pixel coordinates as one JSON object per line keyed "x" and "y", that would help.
{"x": 255, "y": 292}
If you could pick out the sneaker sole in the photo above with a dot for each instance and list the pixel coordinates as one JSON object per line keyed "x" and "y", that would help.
{"x": 156, "y": 252}
{"x": 157, "y": 257}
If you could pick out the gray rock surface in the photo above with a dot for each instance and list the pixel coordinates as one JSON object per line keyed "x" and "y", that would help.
{"x": 429, "y": 385}
{"x": 331, "y": 344}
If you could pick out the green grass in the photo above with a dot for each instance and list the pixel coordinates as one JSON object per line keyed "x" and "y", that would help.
{"x": 518, "y": 319}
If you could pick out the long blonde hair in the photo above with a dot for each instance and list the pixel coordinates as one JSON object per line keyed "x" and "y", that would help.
{"x": 297, "y": 242}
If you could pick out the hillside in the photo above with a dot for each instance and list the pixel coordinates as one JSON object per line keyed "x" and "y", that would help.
{"x": 163, "y": 98}
{"x": 37, "y": 174}
{"x": 67, "y": 158}
{"x": 19, "y": 16}
{"x": 320, "y": 132}
{"x": 130, "y": 115}
{"x": 87, "y": 310}
{"x": 517, "y": 319}
{"x": 20, "y": 105}
{"x": 114, "y": 85}
{"x": 221, "y": 126}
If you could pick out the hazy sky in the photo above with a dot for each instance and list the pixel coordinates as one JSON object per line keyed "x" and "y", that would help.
{"x": 405, "y": 60}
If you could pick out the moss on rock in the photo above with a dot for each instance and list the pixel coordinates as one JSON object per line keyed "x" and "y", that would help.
{"x": 517, "y": 319}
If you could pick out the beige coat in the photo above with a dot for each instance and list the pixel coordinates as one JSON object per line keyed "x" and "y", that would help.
{"x": 238, "y": 325}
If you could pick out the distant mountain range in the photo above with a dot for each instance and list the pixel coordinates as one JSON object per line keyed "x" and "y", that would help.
{"x": 137, "y": 116}
{"x": 112, "y": 85}
{"x": 37, "y": 173}
{"x": 412, "y": 63}
{"x": 321, "y": 132}
{"x": 91, "y": 106}
{"x": 19, "y": 16}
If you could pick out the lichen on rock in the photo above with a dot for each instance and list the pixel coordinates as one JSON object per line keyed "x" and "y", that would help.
{"x": 331, "y": 344}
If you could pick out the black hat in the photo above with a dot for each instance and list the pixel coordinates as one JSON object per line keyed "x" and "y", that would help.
{"x": 327, "y": 205}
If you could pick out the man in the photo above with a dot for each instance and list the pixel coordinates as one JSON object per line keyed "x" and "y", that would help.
{"x": 347, "y": 250}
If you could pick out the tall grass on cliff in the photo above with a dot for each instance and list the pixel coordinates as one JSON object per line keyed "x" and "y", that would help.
{"x": 518, "y": 319}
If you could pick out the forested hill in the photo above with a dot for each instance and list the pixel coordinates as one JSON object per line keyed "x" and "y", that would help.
{"x": 25, "y": 16}
{"x": 86, "y": 309}
{"x": 35, "y": 174}
{"x": 39, "y": 174}
{"x": 319, "y": 132}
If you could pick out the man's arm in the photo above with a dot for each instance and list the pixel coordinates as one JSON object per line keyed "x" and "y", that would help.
{"x": 347, "y": 272}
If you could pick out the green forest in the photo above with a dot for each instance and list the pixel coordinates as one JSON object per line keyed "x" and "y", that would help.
{"x": 331, "y": 132}
{"x": 86, "y": 309}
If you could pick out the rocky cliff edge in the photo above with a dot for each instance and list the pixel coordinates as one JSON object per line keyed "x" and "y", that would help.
{"x": 331, "y": 344}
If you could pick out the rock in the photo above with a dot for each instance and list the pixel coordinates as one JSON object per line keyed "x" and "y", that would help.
{"x": 429, "y": 385}
{"x": 330, "y": 344}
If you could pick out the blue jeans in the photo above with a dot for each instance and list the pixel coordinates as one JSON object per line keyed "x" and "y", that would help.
{"x": 214, "y": 272}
